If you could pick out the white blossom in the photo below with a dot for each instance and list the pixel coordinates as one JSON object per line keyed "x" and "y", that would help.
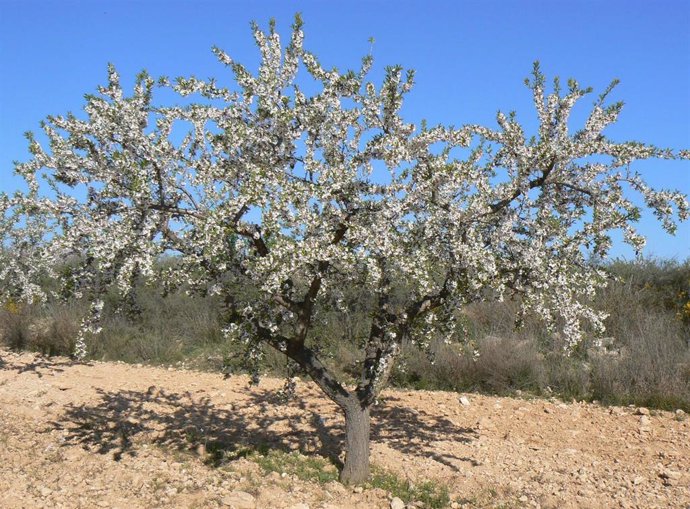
{"x": 303, "y": 180}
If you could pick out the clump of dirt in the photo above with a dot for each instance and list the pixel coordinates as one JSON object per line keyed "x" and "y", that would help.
{"x": 116, "y": 435}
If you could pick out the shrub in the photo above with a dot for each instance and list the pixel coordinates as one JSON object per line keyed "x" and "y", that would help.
{"x": 645, "y": 361}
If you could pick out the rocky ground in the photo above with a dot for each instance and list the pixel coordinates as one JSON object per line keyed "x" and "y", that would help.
{"x": 117, "y": 435}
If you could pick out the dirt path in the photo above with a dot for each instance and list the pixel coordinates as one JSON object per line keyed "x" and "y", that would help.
{"x": 116, "y": 435}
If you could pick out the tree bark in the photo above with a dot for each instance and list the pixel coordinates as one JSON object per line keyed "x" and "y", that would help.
{"x": 356, "y": 408}
{"x": 357, "y": 428}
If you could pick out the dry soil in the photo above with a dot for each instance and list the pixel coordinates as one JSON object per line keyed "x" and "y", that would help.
{"x": 115, "y": 435}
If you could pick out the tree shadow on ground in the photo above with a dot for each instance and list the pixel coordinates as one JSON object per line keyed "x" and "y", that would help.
{"x": 414, "y": 433}
{"x": 40, "y": 365}
{"x": 121, "y": 421}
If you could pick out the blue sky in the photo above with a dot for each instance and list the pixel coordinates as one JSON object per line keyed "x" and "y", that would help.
{"x": 471, "y": 58}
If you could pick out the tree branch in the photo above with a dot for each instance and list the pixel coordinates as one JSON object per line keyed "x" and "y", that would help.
{"x": 307, "y": 304}
{"x": 575, "y": 188}
{"x": 495, "y": 207}
{"x": 309, "y": 361}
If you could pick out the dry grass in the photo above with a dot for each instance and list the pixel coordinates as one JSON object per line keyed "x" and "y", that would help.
{"x": 646, "y": 362}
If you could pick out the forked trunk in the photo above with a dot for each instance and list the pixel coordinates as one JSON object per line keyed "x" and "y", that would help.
{"x": 357, "y": 427}
{"x": 356, "y": 408}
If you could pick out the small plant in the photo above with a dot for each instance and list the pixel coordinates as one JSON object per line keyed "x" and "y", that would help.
{"x": 305, "y": 468}
{"x": 490, "y": 497}
{"x": 431, "y": 494}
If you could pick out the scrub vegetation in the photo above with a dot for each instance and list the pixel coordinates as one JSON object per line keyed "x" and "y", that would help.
{"x": 645, "y": 359}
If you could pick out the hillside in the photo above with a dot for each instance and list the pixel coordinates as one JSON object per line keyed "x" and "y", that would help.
{"x": 130, "y": 436}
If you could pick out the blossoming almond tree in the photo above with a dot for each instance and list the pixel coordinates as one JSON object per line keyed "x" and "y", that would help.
{"x": 305, "y": 194}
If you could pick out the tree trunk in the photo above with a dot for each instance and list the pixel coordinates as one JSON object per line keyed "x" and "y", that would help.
{"x": 355, "y": 406}
{"x": 357, "y": 426}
